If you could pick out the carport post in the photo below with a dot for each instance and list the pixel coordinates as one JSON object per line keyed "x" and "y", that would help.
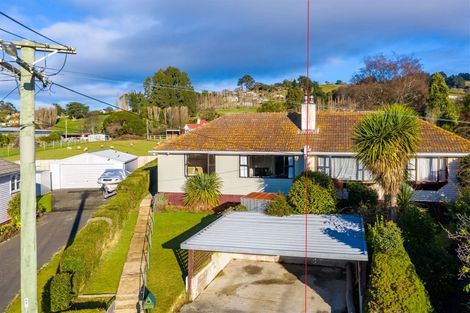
{"x": 190, "y": 271}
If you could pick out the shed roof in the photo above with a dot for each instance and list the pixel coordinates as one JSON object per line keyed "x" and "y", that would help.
{"x": 334, "y": 237}
{"x": 114, "y": 155}
{"x": 7, "y": 167}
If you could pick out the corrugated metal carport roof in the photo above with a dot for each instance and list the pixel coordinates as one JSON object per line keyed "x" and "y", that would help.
{"x": 334, "y": 237}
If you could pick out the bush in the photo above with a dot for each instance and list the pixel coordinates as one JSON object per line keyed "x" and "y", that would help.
{"x": 405, "y": 194}
{"x": 124, "y": 123}
{"x": 160, "y": 202}
{"x": 61, "y": 292}
{"x": 434, "y": 265}
{"x": 360, "y": 195}
{"x": 208, "y": 114}
{"x": 279, "y": 206}
{"x": 239, "y": 208}
{"x": 394, "y": 285}
{"x": 45, "y": 203}
{"x": 202, "y": 191}
{"x": 463, "y": 175}
{"x": 272, "y": 106}
{"x": 82, "y": 257}
{"x": 14, "y": 210}
{"x": 319, "y": 178}
{"x": 320, "y": 200}
{"x": 462, "y": 204}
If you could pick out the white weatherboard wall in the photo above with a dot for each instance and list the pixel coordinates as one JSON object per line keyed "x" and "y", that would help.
{"x": 5, "y": 197}
{"x": 171, "y": 176}
{"x": 83, "y": 170}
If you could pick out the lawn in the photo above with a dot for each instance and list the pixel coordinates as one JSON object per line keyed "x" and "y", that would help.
{"x": 106, "y": 278}
{"x": 330, "y": 87}
{"x": 74, "y": 126}
{"x": 137, "y": 147}
{"x": 165, "y": 276}
{"x": 237, "y": 110}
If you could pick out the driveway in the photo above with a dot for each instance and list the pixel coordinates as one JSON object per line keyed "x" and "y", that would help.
{"x": 54, "y": 230}
{"x": 265, "y": 287}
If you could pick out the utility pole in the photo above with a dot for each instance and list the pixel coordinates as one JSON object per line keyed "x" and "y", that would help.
{"x": 27, "y": 73}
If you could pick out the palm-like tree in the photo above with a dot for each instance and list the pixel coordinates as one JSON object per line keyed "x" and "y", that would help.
{"x": 202, "y": 191}
{"x": 384, "y": 142}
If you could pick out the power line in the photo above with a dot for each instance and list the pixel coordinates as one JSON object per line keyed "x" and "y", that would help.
{"x": 32, "y": 30}
{"x": 13, "y": 34}
{"x": 13, "y": 90}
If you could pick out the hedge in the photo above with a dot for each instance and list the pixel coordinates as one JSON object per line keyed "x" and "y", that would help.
{"x": 359, "y": 195}
{"x": 279, "y": 206}
{"x": 318, "y": 178}
{"x": 394, "y": 285}
{"x": 320, "y": 200}
{"x": 61, "y": 293}
{"x": 82, "y": 257}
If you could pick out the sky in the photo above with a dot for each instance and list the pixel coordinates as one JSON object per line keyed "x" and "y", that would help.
{"x": 120, "y": 42}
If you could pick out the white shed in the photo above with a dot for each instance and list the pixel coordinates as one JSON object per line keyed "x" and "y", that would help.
{"x": 83, "y": 170}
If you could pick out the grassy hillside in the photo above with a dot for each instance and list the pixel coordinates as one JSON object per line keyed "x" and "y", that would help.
{"x": 74, "y": 126}
{"x": 237, "y": 110}
{"x": 330, "y": 87}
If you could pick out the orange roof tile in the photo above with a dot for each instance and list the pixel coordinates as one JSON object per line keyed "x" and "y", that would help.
{"x": 279, "y": 132}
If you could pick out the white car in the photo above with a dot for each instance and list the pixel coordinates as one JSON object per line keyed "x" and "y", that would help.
{"x": 110, "y": 179}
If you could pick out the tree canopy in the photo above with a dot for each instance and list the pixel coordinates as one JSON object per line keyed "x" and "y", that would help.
{"x": 77, "y": 110}
{"x": 439, "y": 106}
{"x": 247, "y": 82}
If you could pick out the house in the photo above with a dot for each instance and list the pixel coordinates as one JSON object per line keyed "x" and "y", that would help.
{"x": 82, "y": 171}
{"x": 9, "y": 185}
{"x": 263, "y": 152}
{"x": 190, "y": 127}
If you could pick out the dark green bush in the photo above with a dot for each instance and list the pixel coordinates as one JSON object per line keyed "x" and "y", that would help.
{"x": 463, "y": 175}
{"x": 14, "y": 210}
{"x": 279, "y": 207}
{"x": 124, "y": 123}
{"x": 462, "y": 204}
{"x": 319, "y": 178}
{"x": 61, "y": 292}
{"x": 82, "y": 257}
{"x": 394, "y": 285}
{"x": 320, "y": 200}
{"x": 360, "y": 195}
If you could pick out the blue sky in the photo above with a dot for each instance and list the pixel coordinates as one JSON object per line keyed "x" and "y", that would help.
{"x": 119, "y": 43}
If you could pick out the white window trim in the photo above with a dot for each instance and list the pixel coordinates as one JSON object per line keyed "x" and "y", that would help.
{"x": 16, "y": 179}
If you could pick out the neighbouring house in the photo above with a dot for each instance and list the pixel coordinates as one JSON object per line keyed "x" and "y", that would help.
{"x": 264, "y": 152}
{"x": 190, "y": 127}
{"x": 9, "y": 185}
{"x": 82, "y": 171}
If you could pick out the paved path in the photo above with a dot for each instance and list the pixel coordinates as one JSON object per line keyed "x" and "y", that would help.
{"x": 127, "y": 296}
{"x": 54, "y": 230}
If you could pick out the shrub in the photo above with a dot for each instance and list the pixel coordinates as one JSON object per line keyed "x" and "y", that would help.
{"x": 209, "y": 114}
{"x": 160, "y": 202}
{"x": 272, "y": 106}
{"x": 14, "y": 210}
{"x": 405, "y": 194}
{"x": 319, "y": 178}
{"x": 320, "y": 200}
{"x": 239, "y": 208}
{"x": 45, "y": 203}
{"x": 463, "y": 175}
{"x": 393, "y": 283}
{"x": 124, "y": 123}
{"x": 61, "y": 292}
{"x": 360, "y": 195}
{"x": 82, "y": 257}
{"x": 462, "y": 204}
{"x": 279, "y": 206}
{"x": 202, "y": 191}
{"x": 434, "y": 265}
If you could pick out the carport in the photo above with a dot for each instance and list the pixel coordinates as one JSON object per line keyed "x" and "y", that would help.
{"x": 332, "y": 239}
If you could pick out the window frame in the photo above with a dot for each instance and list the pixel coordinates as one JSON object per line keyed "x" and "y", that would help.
{"x": 438, "y": 179}
{"x": 326, "y": 169}
{"x": 290, "y": 166}
{"x": 15, "y": 180}
{"x": 211, "y": 168}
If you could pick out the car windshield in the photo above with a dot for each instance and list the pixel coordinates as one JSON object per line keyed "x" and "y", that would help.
{"x": 112, "y": 173}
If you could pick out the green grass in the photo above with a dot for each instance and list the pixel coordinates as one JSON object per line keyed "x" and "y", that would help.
{"x": 137, "y": 147}
{"x": 107, "y": 276}
{"x": 237, "y": 110}
{"x": 165, "y": 276}
{"x": 330, "y": 87}
{"x": 44, "y": 275}
{"x": 74, "y": 126}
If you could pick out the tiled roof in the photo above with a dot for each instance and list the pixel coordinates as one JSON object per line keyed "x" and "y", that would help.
{"x": 7, "y": 167}
{"x": 279, "y": 132}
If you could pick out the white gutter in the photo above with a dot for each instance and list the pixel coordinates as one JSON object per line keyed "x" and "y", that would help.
{"x": 156, "y": 152}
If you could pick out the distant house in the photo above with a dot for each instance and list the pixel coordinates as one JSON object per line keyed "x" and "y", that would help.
{"x": 190, "y": 127}
{"x": 9, "y": 185}
{"x": 258, "y": 152}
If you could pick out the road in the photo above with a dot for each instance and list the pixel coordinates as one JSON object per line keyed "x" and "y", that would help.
{"x": 54, "y": 230}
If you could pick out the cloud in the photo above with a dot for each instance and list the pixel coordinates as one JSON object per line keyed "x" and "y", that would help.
{"x": 218, "y": 41}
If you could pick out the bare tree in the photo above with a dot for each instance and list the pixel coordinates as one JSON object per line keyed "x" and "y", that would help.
{"x": 46, "y": 117}
{"x": 462, "y": 236}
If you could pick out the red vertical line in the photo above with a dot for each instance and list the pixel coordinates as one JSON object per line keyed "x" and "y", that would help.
{"x": 307, "y": 101}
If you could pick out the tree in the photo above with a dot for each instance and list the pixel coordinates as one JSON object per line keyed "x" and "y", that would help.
{"x": 247, "y": 82}
{"x": 462, "y": 236}
{"x": 294, "y": 97}
{"x": 439, "y": 105}
{"x": 60, "y": 110}
{"x": 93, "y": 123}
{"x": 137, "y": 101}
{"x": 202, "y": 191}
{"x": 314, "y": 88}
{"x": 272, "y": 106}
{"x": 384, "y": 142}
{"x": 124, "y": 123}
{"x": 7, "y": 107}
{"x": 394, "y": 285}
{"x": 77, "y": 110}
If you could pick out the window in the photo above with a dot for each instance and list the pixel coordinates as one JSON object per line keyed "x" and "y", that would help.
{"x": 412, "y": 169}
{"x": 363, "y": 173}
{"x": 199, "y": 163}
{"x": 432, "y": 170}
{"x": 15, "y": 183}
{"x": 323, "y": 165}
{"x": 271, "y": 166}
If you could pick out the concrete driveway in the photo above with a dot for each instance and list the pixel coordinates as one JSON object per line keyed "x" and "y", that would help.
{"x": 265, "y": 287}
{"x": 54, "y": 230}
